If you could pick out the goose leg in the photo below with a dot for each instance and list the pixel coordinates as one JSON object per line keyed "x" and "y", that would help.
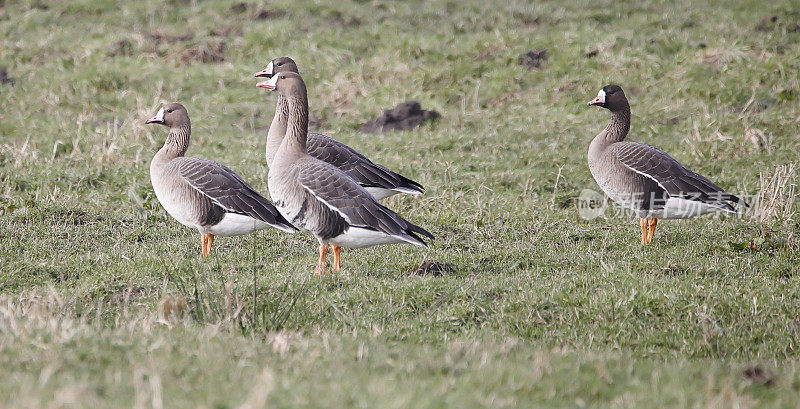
{"x": 337, "y": 265}
{"x": 323, "y": 254}
{"x": 643, "y": 225}
{"x": 210, "y": 242}
{"x": 651, "y": 229}
{"x": 203, "y": 244}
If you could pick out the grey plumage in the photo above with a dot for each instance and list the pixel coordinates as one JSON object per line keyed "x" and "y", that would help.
{"x": 353, "y": 208}
{"x": 377, "y": 179}
{"x": 227, "y": 190}
{"x": 644, "y": 177}
{"x": 204, "y": 194}
{"x": 319, "y": 197}
{"x": 357, "y": 166}
{"x": 671, "y": 177}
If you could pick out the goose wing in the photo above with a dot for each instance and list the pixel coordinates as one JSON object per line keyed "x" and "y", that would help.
{"x": 337, "y": 192}
{"x": 673, "y": 177}
{"x": 357, "y": 166}
{"x": 229, "y": 191}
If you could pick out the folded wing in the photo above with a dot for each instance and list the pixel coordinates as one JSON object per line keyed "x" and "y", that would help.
{"x": 354, "y": 205}
{"x": 673, "y": 177}
{"x": 229, "y": 191}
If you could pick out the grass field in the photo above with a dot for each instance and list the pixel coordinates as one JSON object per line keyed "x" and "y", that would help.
{"x": 105, "y": 302}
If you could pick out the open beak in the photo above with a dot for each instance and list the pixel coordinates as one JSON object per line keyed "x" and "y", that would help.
{"x": 266, "y": 84}
{"x": 270, "y": 84}
{"x": 595, "y": 101}
{"x": 266, "y": 72}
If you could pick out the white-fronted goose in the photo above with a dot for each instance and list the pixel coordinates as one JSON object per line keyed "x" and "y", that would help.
{"x": 644, "y": 178}
{"x": 319, "y": 197}
{"x": 203, "y": 194}
{"x": 379, "y": 181}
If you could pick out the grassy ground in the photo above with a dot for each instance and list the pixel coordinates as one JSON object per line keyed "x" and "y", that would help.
{"x": 541, "y": 308}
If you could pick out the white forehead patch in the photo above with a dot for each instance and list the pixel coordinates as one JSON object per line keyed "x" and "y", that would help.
{"x": 160, "y": 115}
{"x": 601, "y": 97}
{"x": 273, "y": 81}
{"x": 268, "y": 70}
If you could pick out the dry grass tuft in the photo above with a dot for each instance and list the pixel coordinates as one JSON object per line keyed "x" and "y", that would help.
{"x": 171, "y": 310}
{"x": 777, "y": 195}
{"x": 21, "y": 155}
{"x": 759, "y": 139}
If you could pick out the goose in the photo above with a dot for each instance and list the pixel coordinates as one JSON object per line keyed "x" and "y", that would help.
{"x": 644, "y": 178}
{"x": 379, "y": 181}
{"x": 203, "y": 194}
{"x": 320, "y": 198}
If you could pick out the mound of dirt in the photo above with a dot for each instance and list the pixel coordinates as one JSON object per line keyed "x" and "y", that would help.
{"x": 406, "y": 115}
{"x": 4, "y": 78}
{"x": 206, "y": 52}
{"x": 533, "y": 59}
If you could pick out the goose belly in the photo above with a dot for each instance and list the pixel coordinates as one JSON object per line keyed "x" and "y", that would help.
{"x": 233, "y": 224}
{"x": 292, "y": 201}
{"x": 677, "y": 208}
{"x": 176, "y": 205}
{"x": 619, "y": 193}
{"x": 290, "y": 209}
{"x": 355, "y": 237}
{"x": 295, "y": 216}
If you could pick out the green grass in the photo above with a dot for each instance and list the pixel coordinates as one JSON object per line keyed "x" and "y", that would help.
{"x": 542, "y": 308}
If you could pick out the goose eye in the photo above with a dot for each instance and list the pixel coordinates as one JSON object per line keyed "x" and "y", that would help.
{"x": 279, "y": 64}
{"x": 169, "y": 111}
{"x": 283, "y": 77}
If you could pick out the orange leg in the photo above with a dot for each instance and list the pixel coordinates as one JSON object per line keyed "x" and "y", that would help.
{"x": 651, "y": 229}
{"x": 205, "y": 247}
{"x": 643, "y": 225}
{"x": 337, "y": 261}
{"x": 323, "y": 254}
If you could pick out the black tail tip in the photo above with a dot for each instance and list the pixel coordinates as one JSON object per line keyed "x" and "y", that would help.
{"x": 424, "y": 233}
{"x": 417, "y": 231}
{"x": 738, "y": 200}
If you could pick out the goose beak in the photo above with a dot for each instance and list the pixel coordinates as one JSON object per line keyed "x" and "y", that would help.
{"x": 269, "y": 84}
{"x": 262, "y": 73}
{"x": 266, "y": 84}
{"x": 600, "y": 99}
{"x": 266, "y": 72}
{"x": 158, "y": 119}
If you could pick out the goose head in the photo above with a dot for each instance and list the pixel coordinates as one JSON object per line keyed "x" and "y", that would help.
{"x": 610, "y": 97}
{"x": 280, "y": 64}
{"x": 288, "y": 84}
{"x": 171, "y": 115}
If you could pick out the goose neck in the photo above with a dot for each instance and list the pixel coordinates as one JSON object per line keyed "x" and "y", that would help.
{"x": 277, "y": 129}
{"x": 297, "y": 125}
{"x": 619, "y": 125}
{"x": 177, "y": 141}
